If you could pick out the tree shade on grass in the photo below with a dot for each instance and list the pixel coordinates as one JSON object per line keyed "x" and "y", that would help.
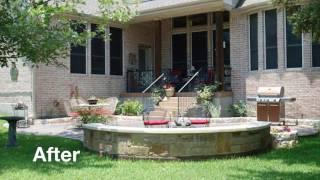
{"x": 301, "y": 162}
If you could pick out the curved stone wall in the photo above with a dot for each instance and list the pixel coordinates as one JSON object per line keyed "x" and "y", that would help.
{"x": 177, "y": 143}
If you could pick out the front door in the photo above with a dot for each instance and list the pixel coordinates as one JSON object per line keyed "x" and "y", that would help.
{"x": 145, "y": 59}
{"x": 179, "y": 53}
{"x": 200, "y": 50}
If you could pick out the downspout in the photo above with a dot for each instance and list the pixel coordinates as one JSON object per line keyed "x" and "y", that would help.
{"x": 33, "y": 94}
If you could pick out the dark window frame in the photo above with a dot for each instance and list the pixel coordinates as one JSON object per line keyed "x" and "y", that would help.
{"x": 254, "y": 51}
{"x": 192, "y": 17}
{"x": 180, "y": 63}
{"x": 203, "y": 63}
{"x": 119, "y": 56}
{"x": 175, "y": 21}
{"x": 78, "y": 53}
{"x": 293, "y": 44}
{"x": 98, "y": 54}
{"x": 315, "y": 57}
{"x": 271, "y": 40}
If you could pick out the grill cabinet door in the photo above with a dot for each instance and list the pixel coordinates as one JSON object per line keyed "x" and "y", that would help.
{"x": 274, "y": 112}
{"x": 262, "y": 112}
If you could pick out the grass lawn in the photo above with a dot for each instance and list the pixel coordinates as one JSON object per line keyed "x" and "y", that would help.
{"x": 302, "y": 162}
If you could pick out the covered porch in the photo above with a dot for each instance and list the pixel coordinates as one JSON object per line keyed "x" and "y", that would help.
{"x": 193, "y": 45}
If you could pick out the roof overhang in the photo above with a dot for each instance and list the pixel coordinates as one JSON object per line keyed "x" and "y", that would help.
{"x": 160, "y": 9}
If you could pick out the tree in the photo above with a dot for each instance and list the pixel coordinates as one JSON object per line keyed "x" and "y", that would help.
{"x": 306, "y": 18}
{"x": 41, "y": 31}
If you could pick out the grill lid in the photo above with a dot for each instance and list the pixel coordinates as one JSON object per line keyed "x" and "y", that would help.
{"x": 270, "y": 92}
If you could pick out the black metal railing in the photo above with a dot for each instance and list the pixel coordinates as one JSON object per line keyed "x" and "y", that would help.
{"x": 138, "y": 81}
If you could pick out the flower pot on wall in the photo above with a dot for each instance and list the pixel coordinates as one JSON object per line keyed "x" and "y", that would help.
{"x": 14, "y": 73}
{"x": 170, "y": 91}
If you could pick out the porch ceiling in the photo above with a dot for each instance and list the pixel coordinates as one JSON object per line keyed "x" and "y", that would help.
{"x": 161, "y": 9}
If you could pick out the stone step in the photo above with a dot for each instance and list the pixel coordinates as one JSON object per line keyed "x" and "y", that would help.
{"x": 166, "y": 108}
{"x": 158, "y": 113}
{"x": 164, "y": 104}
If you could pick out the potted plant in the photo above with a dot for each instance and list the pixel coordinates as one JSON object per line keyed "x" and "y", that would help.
{"x": 157, "y": 94}
{"x": 169, "y": 89}
{"x": 92, "y": 100}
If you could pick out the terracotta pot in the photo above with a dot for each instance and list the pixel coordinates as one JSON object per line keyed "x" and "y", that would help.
{"x": 170, "y": 91}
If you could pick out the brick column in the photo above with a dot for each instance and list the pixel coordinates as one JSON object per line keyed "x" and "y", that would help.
{"x": 219, "y": 63}
{"x": 158, "y": 48}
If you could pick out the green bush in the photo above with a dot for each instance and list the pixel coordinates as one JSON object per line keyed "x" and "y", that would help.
{"x": 213, "y": 110}
{"x": 206, "y": 92}
{"x": 239, "y": 109}
{"x": 157, "y": 94}
{"x": 130, "y": 108}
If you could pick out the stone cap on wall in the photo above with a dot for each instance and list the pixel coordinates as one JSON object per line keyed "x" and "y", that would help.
{"x": 246, "y": 126}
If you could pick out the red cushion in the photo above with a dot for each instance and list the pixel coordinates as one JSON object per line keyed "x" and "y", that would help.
{"x": 200, "y": 121}
{"x": 156, "y": 122}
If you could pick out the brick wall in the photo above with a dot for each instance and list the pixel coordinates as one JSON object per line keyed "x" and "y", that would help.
{"x": 13, "y": 92}
{"x": 53, "y": 84}
{"x": 302, "y": 83}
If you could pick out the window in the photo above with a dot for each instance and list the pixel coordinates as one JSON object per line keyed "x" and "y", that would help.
{"x": 254, "y": 42}
{"x": 226, "y": 17}
{"x": 179, "y": 52}
{"x": 97, "y": 52}
{"x": 271, "y": 39}
{"x": 200, "y": 50}
{"x": 226, "y": 46}
{"x": 294, "y": 47}
{"x": 315, "y": 54}
{"x": 78, "y": 54}
{"x": 116, "y": 51}
{"x": 180, "y": 22}
{"x": 198, "y": 20}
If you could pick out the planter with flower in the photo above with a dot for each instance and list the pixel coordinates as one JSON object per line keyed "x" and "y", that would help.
{"x": 283, "y": 137}
{"x": 169, "y": 89}
{"x": 98, "y": 115}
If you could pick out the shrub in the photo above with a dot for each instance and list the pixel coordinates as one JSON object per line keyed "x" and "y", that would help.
{"x": 239, "y": 109}
{"x": 131, "y": 108}
{"x": 157, "y": 94}
{"x": 206, "y": 92}
{"x": 94, "y": 115}
{"x": 211, "y": 109}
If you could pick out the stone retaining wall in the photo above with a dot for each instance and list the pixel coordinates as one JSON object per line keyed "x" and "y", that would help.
{"x": 176, "y": 146}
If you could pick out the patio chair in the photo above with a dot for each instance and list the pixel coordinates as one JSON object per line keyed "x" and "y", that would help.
{"x": 69, "y": 111}
{"x": 110, "y": 104}
{"x": 70, "y": 106}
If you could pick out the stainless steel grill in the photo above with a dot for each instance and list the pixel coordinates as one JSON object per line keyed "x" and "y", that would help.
{"x": 270, "y": 103}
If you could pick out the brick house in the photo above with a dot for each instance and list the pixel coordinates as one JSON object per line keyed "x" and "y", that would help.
{"x": 243, "y": 43}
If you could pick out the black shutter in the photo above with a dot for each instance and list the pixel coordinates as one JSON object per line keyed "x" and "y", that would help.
{"x": 254, "y": 42}
{"x": 97, "y": 52}
{"x": 78, "y": 54}
{"x": 116, "y": 59}
{"x": 271, "y": 39}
